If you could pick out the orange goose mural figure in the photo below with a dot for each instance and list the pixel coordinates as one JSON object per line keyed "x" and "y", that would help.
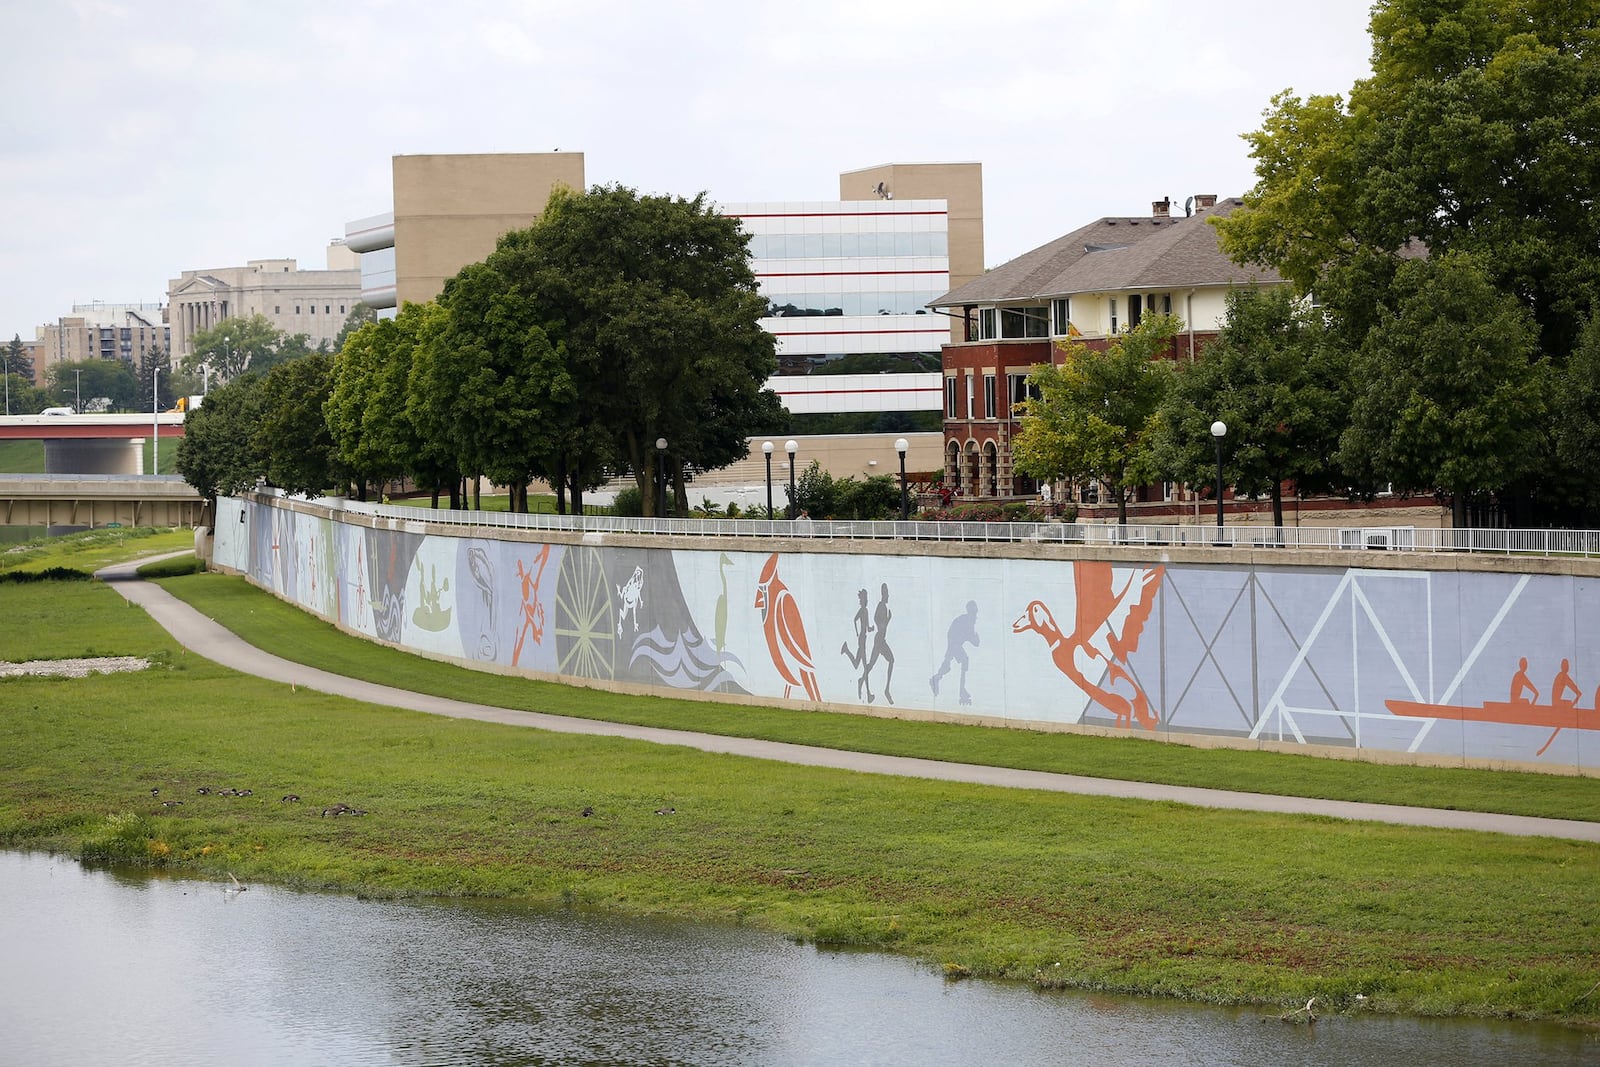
{"x": 786, "y": 633}
{"x": 1111, "y": 611}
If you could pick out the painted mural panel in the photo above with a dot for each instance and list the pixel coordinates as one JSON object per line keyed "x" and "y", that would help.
{"x": 1481, "y": 665}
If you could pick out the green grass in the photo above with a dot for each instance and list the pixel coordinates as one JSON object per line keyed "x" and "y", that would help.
{"x": 22, "y": 457}
{"x": 283, "y": 629}
{"x": 1060, "y": 890}
{"x": 92, "y": 549}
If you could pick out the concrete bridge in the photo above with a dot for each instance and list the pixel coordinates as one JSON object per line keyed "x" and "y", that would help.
{"x": 62, "y": 502}
{"x": 93, "y": 444}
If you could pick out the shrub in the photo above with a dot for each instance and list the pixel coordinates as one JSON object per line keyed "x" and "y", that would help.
{"x": 50, "y": 574}
{"x": 629, "y": 502}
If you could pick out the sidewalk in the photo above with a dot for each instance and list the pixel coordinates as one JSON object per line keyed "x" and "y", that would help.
{"x": 204, "y": 637}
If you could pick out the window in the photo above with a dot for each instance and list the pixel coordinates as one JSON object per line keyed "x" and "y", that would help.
{"x": 327, "y": 309}
{"x": 950, "y": 397}
{"x": 1061, "y": 317}
{"x": 342, "y": 311}
{"x": 1166, "y": 303}
{"x": 1113, "y": 314}
{"x": 986, "y": 324}
{"x": 297, "y": 309}
{"x": 970, "y": 394}
{"x": 1135, "y": 310}
{"x": 989, "y": 396}
{"x": 1024, "y": 322}
{"x": 1019, "y": 389}
{"x": 277, "y": 309}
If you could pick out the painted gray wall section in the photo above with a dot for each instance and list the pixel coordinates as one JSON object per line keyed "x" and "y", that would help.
{"x": 1314, "y": 655}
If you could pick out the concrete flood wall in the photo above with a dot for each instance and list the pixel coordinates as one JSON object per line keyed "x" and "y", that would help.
{"x": 1440, "y": 659}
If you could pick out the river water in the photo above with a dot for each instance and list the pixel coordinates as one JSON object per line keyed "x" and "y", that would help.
{"x": 129, "y": 969}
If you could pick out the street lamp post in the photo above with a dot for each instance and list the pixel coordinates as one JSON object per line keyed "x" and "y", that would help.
{"x": 661, "y": 477}
{"x": 791, "y": 446}
{"x": 79, "y": 408}
{"x": 900, "y": 446}
{"x": 155, "y": 420}
{"x": 766, "y": 447}
{"x": 1219, "y": 429}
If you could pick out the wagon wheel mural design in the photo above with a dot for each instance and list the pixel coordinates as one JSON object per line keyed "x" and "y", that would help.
{"x": 586, "y": 628}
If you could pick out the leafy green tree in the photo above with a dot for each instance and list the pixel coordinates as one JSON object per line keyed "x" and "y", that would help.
{"x": 359, "y": 316}
{"x": 291, "y": 433}
{"x": 1450, "y": 392}
{"x": 651, "y": 310}
{"x": 231, "y": 347}
{"x": 491, "y": 384}
{"x": 90, "y": 378}
{"x": 1575, "y": 425}
{"x": 368, "y": 409}
{"x": 1096, "y": 413}
{"x": 1277, "y": 382}
{"x": 1476, "y": 134}
{"x": 218, "y": 454}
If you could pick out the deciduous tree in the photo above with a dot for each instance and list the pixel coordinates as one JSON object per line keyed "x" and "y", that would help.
{"x": 1095, "y": 415}
{"x": 217, "y": 454}
{"x": 1273, "y": 377}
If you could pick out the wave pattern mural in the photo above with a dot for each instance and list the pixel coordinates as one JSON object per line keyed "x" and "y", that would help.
{"x": 1490, "y": 666}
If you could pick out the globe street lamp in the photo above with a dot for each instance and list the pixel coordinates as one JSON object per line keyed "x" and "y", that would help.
{"x": 661, "y": 477}
{"x": 766, "y": 447}
{"x": 1219, "y": 429}
{"x": 791, "y": 446}
{"x": 900, "y": 446}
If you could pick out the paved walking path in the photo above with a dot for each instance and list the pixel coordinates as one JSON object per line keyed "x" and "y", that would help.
{"x": 199, "y": 634}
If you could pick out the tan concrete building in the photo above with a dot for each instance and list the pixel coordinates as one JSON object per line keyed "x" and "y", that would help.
{"x": 960, "y": 185}
{"x": 449, "y": 210}
{"x": 313, "y": 302}
{"x": 98, "y": 330}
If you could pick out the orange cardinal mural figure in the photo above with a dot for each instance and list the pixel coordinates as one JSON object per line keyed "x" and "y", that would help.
{"x": 786, "y": 634}
{"x": 1112, "y": 611}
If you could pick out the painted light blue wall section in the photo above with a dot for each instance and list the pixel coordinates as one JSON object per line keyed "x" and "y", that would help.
{"x": 1400, "y": 660}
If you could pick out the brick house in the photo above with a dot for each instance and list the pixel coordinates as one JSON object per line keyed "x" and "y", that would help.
{"x": 1086, "y": 286}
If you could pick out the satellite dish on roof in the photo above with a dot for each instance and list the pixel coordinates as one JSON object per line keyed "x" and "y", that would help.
{"x": 1188, "y": 206}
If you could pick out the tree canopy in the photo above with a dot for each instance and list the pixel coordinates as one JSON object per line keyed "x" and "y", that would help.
{"x": 1477, "y": 137}
{"x": 83, "y": 380}
{"x": 238, "y": 344}
{"x": 1275, "y": 381}
{"x": 1095, "y": 415}
{"x": 614, "y": 320}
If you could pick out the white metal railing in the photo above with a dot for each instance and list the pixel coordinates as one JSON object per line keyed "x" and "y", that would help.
{"x": 1331, "y": 538}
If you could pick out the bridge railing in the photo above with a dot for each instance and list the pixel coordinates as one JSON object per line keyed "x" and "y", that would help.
{"x": 1584, "y": 543}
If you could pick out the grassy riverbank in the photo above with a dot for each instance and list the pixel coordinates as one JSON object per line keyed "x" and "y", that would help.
{"x": 284, "y": 630}
{"x": 1059, "y": 890}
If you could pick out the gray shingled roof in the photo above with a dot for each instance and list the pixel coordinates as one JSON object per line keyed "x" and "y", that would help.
{"x": 1114, "y": 254}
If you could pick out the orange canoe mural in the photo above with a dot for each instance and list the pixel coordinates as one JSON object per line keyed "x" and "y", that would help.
{"x": 1552, "y": 717}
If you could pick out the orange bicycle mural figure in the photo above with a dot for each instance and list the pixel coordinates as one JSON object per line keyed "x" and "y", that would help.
{"x": 1111, "y": 613}
{"x": 786, "y": 633}
{"x": 532, "y": 610}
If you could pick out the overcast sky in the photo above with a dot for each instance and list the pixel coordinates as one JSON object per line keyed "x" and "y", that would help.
{"x": 141, "y": 139}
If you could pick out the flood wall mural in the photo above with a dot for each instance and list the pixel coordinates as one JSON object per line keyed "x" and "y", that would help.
{"x": 1476, "y": 665}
